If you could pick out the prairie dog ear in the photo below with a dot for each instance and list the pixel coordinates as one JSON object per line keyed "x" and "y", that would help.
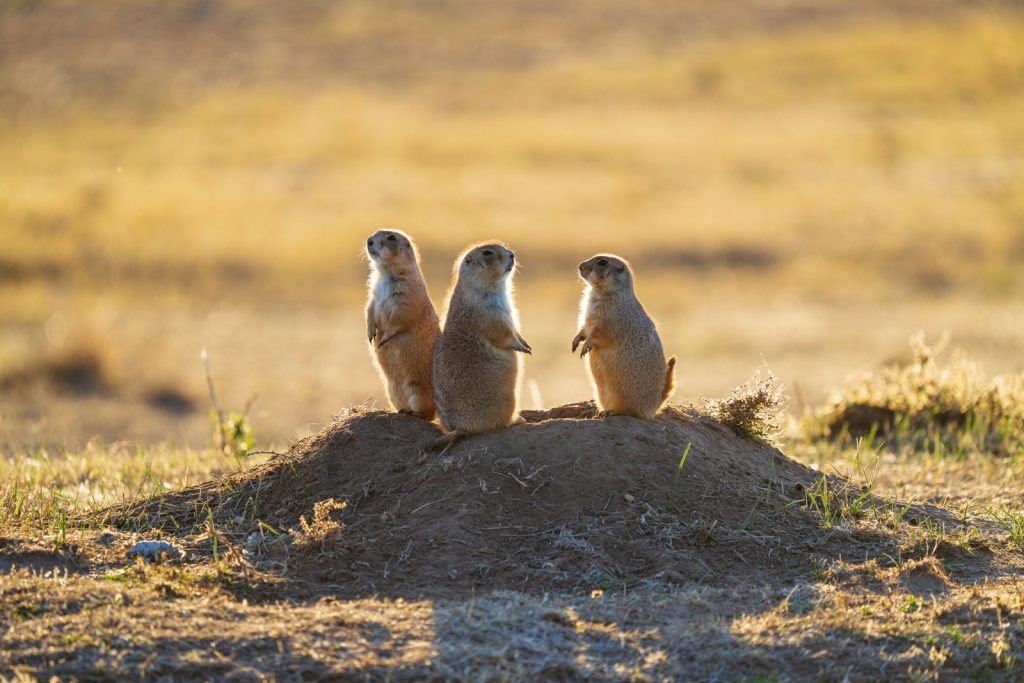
{"x": 620, "y": 268}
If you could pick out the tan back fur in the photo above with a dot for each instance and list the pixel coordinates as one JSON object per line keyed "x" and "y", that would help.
{"x": 626, "y": 360}
{"x": 476, "y": 362}
{"x": 402, "y": 325}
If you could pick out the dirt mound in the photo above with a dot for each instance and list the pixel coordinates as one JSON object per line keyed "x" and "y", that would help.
{"x": 563, "y": 502}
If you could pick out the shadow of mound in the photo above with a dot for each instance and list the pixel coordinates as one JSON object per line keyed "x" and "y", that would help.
{"x": 563, "y": 502}
{"x": 15, "y": 555}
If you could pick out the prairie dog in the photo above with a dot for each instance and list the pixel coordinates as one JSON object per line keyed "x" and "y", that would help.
{"x": 476, "y": 362}
{"x": 627, "y": 363}
{"x": 401, "y": 324}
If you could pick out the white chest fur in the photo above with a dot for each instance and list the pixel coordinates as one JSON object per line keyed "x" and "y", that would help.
{"x": 588, "y": 306}
{"x": 499, "y": 304}
{"x": 386, "y": 290}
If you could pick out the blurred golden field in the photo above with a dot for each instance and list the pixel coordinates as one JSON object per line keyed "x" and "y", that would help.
{"x": 799, "y": 184}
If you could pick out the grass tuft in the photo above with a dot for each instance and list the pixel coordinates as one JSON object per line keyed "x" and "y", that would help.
{"x": 941, "y": 407}
{"x": 754, "y": 409}
{"x": 323, "y": 530}
{"x": 1011, "y": 522}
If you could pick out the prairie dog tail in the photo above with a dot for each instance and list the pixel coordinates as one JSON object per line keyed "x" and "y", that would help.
{"x": 670, "y": 378}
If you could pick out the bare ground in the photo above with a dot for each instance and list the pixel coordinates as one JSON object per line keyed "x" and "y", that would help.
{"x": 565, "y": 548}
{"x": 564, "y": 502}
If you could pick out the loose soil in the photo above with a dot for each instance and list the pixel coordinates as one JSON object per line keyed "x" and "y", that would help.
{"x": 564, "y": 502}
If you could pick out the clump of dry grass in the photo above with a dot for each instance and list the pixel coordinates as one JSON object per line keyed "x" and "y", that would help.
{"x": 323, "y": 529}
{"x": 754, "y": 409}
{"x": 950, "y": 403}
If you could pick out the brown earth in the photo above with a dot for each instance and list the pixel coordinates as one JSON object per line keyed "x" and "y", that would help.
{"x": 565, "y": 502}
{"x": 303, "y": 567}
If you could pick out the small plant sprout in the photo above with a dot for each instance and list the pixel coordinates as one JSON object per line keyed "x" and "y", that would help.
{"x": 232, "y": 433}
{"x": 819, "y": 568}
{"x": 671, "y": 501}
{"x": 822, "y": 499}
{"x": 1011, "y": 522}
{"x": 679, "y": 467}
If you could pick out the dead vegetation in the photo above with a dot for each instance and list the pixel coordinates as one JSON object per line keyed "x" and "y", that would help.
{"x": 155, "y": 626}
{"x": 566, "y": 548}
{"x": 755, "y": 409}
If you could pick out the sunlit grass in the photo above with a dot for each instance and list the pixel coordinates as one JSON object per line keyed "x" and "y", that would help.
{"x": 945, "y": 407}
{"x": 50, "y": 485}
{"x": 869, "y": 144}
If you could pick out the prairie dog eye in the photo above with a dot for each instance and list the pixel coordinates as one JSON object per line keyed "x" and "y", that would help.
{"x": 487, "y": 252}
{"x": 391, "y": 237}
{"x": 603, "y": 262}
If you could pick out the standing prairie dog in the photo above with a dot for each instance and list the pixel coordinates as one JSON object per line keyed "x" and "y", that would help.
{"x": 627, "y": 363}
{"x": 476, "y": 366}
{"x": 401, "y": 324}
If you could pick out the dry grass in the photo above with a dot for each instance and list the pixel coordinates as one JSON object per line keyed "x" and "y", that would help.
{"x": 871, "y": 127}
{"x": 946, "y": 604}
{"x": 755, "y": 409}
{"x": 50, "y": 483}
{"x": 323, "y": 528}
{"x": 951, "y": 406}
{"x": 942, "y": 601}
{"x": 804, "y": 190}
{"x": 108, "y": 628}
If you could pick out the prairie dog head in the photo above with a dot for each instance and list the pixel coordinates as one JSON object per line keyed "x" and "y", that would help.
{"x": 607, "y": 273}
{"x": 487, "y": 266}
{"x": 389, "y": 248}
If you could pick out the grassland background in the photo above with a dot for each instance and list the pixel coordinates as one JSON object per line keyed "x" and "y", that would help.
{"x": 803, "y": 184}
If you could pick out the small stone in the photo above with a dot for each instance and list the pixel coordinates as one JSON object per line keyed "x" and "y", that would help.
{"x": 154, "y": 551}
